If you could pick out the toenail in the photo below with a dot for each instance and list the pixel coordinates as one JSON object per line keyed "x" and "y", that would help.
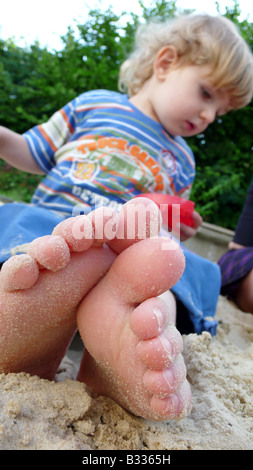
{"x": 168, "y": 407}
{"x": 167, "y": 346}
{"x": 168, "y": 377}
{"x": 172, "y": 341}
{"x": 173, "y": 404}
{"x": 159, "y": 317}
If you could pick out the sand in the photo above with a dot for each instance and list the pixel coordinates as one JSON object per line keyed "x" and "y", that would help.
{"x": 38, "y": 414}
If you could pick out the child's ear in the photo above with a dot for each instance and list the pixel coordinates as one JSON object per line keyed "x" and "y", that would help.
{"x": 166, "y": 57}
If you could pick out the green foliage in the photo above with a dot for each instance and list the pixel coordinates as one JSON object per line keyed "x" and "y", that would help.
{"x": 224, "y": 167}
{"x": 159, "y": 10}
{"x": 35, "y": 82}
{"x": 224, "y": 155}
{"x": 15, "y": 184}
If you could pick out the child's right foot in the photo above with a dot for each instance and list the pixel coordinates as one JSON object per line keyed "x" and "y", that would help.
{"x": 132, "y": 348}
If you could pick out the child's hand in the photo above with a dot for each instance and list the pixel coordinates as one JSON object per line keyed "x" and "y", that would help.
{"x": 189, "y": 232}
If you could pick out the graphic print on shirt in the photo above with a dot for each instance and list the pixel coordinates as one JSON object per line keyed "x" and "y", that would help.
{"x": 115, "y": 167}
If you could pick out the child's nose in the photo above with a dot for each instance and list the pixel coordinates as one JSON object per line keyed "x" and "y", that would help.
{"x": 208, "y": 114}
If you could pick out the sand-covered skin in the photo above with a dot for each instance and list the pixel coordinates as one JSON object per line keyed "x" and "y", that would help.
{"x": 38, "y": 414}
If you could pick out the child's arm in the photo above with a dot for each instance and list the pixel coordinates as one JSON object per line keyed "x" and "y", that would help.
{"x": 14, "y": 150}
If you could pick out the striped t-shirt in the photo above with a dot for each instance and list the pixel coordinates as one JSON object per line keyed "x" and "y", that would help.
{"x": 101, "y": 150}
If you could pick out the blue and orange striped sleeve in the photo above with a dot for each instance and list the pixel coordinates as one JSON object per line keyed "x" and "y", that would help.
{"x": 45, "y": 139}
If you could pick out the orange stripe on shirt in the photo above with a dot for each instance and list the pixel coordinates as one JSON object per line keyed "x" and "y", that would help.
{"x": 66, "y": 119}
{"x": 49, "y": 141}
{"x": 50, "y": 190}
{"x": 111, "y": 190}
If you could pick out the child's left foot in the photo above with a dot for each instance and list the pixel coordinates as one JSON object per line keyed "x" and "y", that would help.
{"x": 40, "y": 291}
{"x": 39, "y": 296}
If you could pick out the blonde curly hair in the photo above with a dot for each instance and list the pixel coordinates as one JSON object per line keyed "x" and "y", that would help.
{"x": 199, "y": 40}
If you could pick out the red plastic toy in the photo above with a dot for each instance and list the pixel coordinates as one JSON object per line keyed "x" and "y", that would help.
{"x": 163, "y": 200}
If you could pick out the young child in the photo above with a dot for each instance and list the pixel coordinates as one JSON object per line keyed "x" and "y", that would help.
{"x": 103, "y": 149}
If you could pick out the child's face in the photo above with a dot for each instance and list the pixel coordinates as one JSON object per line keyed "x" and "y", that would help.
{"x": 184, "y": 101}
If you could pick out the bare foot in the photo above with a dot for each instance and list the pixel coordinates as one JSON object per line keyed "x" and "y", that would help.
{"x": 39, "y": 295}
{"x": 133, "y": 350}
{"x": 40, "y": 291}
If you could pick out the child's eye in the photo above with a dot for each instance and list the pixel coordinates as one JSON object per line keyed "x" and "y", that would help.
{"x": 206, "y": 94}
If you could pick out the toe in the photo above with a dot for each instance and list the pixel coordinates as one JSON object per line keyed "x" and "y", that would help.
{"x": 105, "y": 223}
{"x": 149, "y": 318}
{"x": 176, "y": 406}
{"x": 163, "y": 383}
{"x": 145, "y": 268}
{"x": 50, "y": 251}
{"x": 19, "y": 272}
{"x": 160, "y": 352}
{"x": 77, "y": 232}
{"x": 139, "y": 219}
